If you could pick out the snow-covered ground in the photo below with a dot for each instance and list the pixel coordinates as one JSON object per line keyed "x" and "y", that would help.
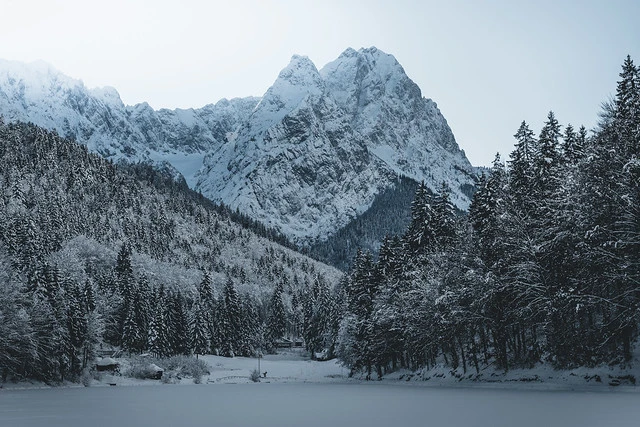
{"x": 294, "y": 366}
{"x": 301, "y": 392}
{"x": 281, "y": 368}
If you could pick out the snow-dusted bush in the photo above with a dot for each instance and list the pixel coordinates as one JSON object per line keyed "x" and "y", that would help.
{"x": 86, "y": 377}
{"x": 184, "y": 366}
{"x": 142, "y": 370}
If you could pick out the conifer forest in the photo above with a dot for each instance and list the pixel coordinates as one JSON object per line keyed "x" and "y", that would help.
{"x": 543, "y": 268}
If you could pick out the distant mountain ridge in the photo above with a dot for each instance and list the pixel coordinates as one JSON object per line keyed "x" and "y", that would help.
{"x": 40, "y": 94}
{"x": 306, "y": 158}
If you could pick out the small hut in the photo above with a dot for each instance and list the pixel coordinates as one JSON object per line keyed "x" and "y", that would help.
{"x": 107, "y": 364}
{"x": 156, "y": 371}
{"x": 284, "y": 343}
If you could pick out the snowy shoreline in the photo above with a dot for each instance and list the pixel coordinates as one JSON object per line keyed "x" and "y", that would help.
{"x": 294, "y": 368}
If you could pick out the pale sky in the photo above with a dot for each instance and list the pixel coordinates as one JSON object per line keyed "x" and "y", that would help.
{"x": 488, "y": 64}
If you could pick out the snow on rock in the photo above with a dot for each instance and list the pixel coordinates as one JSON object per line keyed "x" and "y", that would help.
{"x": 38, "y": 93}
{"x": 321, "y": 145}
{"x": 305, "y": 159}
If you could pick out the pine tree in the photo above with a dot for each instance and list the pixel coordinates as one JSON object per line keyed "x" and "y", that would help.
{"x": 198, "y": 328}
{"x": 123, "y": 269}
{"x": 521, "y": 167}
{"x": 571, "y": 147}
{"x": 131, "y": 335}
{"x": 277, "y": 321}
{"x": 89, "y": 296}
{"x": 361, "y": 291}
{"x": 77, "y": 327}
{"x": 207, "y": 298}
{"x": 420, "y": 236}
{"x": 178, "y": 325}
{"x": 232, "y": 320}
{"x": 251, "y": 332}
{"x": 157, "y": 342}
{"x": 627, "y": 106}
{"x": 546, "y": 161}
{"x": 444, "y": 217}
{"x": 486, "y": 214}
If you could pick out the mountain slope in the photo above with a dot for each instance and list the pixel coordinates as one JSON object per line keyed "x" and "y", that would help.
{"x": 402, "y": 128}
{"x": 306, "y": 159}
{"x": 321, "y": 145}
{"x": 93, "y": 253}
{"x": 389, "y": 215}
{"x": 294, "y": 158}
{"x": 60, "y": 203}
{"x": 40, "y": 94}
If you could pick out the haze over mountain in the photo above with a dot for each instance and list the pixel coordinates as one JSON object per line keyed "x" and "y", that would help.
{"x": 306, "y": 159}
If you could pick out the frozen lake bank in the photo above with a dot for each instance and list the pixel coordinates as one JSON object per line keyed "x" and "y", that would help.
{"x": 310, "y": 405}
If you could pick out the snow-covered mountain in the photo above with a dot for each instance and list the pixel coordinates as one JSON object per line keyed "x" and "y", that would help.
{"x": 306, "y": 158}
{"x": 39, "y": 93}
{"x": 321, "y": 144}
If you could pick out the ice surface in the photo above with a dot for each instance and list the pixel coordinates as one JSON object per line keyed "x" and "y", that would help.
{"x": 311, "y": 405}
{"x": 301, "y": 392}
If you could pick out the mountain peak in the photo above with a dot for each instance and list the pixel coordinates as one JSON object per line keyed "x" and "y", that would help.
{"x": 109, "y": 95}
{"x": 351, "y": 52}
{"x": 36, "y": 75}
{"x": 300, "y": 71}
{"x": 371, "y": 50}
{"x": 297, "y": 81}
{"x": 362, "y": 63}
{"x": 359, "y": 78}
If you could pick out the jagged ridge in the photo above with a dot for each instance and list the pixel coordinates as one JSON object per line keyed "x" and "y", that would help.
{"x": 306, "y": 158}
{"x": 321, "y": 145}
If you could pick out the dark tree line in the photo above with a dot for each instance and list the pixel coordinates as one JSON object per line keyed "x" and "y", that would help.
{"x": 389, "y": 214}
{"x": 52, "y": 326}
{"x": 64, "y": 215}
{"x": 545, "y": 268}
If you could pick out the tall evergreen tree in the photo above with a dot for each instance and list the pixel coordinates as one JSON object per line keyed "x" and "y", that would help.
{"x": 178, "y": 325}
{"x": 277, "y": 321}
{"x": 205, "y": 293}
{"x": 444, "y": 217}
{"x": 421, "y": 234}
{"x": 546, "y": 161}
{"x": 521, "y": 167}
{"x": 231, "y": 320}
{"x": 198, "y": 329}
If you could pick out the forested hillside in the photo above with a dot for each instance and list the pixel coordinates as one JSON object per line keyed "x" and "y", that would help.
{"x": 389, "y": 214}
{"x": 545, "y": 268}
{"x": 93, "y": 253}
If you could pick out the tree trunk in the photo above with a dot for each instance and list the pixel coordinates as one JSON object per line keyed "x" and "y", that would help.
{"x": 464, "y": 359}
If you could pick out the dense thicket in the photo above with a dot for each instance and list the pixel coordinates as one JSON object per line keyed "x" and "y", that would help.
{"x": 545, "y": 268}
{"x": 93, "y": 254}
{"x": 389, "y": 214}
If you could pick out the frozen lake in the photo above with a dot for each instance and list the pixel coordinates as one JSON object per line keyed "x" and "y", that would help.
{"x": 310, "y": 405}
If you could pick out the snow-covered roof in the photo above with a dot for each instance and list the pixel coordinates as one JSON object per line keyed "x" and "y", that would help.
{"x": 106, "y": 361}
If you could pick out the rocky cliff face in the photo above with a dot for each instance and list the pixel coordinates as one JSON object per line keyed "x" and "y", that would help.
{"x": 321, "y": 144}
{"x": 400, "y": 127}
{"x": 306, "y": 158}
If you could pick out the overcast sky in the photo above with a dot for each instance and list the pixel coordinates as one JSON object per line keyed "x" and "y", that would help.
{"x": 488, "y": 64}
